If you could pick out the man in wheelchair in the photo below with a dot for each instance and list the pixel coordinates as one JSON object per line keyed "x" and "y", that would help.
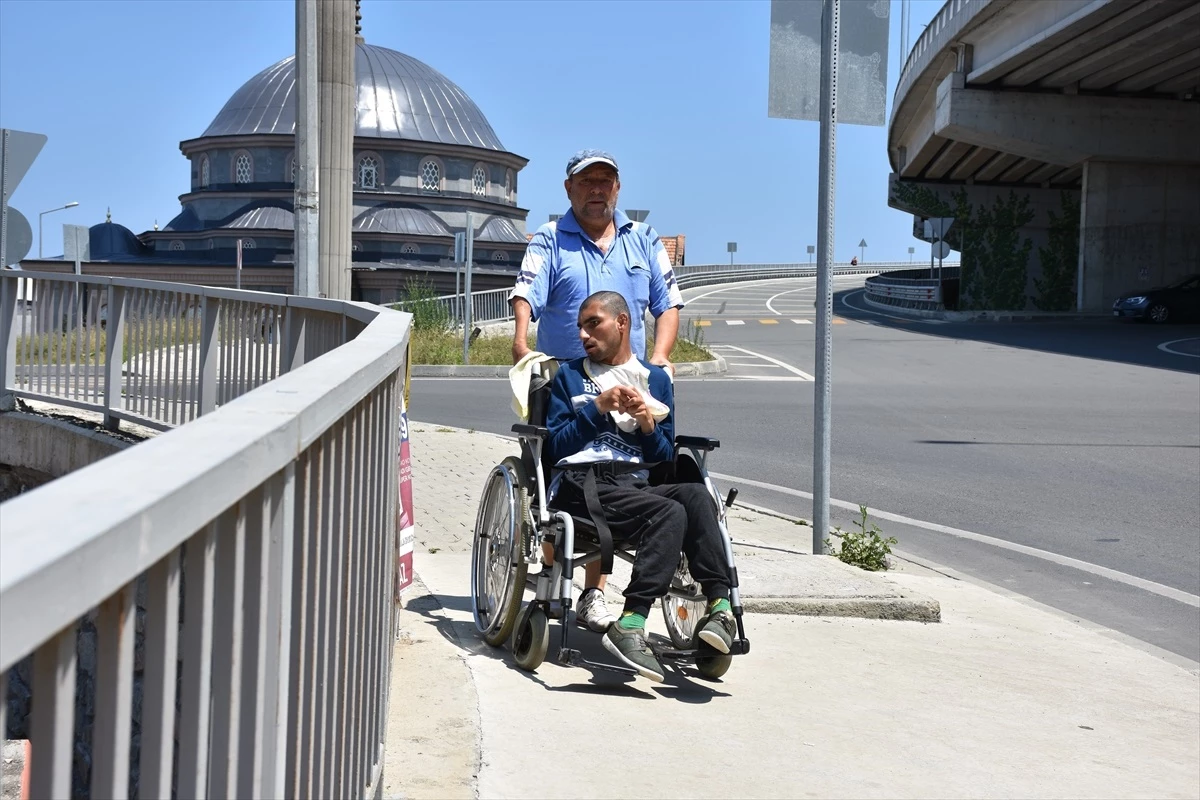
{"x": 610, "y": 418}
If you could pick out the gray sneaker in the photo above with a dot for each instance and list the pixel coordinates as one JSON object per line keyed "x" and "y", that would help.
{"x": 718, "y": 631}
{"x": 630, "y": 647}
{"x": 593, "y": 611}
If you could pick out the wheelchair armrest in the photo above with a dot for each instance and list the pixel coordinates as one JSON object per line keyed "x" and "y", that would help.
{"x": 533, "y": 431}
{"x": 698, "y": 442}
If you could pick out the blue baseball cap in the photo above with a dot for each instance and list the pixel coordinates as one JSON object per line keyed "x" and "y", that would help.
{"x": 585, "y": 158}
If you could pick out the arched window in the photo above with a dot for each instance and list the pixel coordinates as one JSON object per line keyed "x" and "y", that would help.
{"x": 205, "y": 172}
{"x": 431, "y": 175}
{"x": 450, "y": 251}
{"x": 409, "y": 249}
{"x": 356, "y": 247}
{"x": 292, "y": 169}
{"x": 508, "y": 184}
{"x": 243, "y": 168}
{"x": 368, "y": 172}
{"x": 248, "y": 244}
{"x": 479, "y": 180}
{"x": 176, "y": 244}
{"x": 499, "y": 257}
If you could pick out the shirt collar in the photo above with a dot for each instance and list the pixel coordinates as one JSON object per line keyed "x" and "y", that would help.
{"x": 568, "y": 222}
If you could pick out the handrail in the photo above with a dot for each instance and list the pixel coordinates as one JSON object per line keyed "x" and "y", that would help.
{"x": 258, "y": 543}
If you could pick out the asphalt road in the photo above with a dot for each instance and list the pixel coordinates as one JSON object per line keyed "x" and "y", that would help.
{"x": 1057, "y": 460}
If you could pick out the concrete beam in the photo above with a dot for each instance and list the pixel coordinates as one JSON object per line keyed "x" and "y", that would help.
{"x": 1183, "y": 50}
{"x": 1068, "y": 129}
{"x": 1186, "y": 61}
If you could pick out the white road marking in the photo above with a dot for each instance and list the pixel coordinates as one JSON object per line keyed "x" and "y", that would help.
{"x": 776, "y": 361}
{"x": 1066, "y": 561}
{"x": 771, "y": 308}
{"x": 735, "y": 322}
{"x": 737, "y": 286}
{"x": 754, "y": 364}
{"x": 1166, "y": 347}
{"x": 803, "y": 321}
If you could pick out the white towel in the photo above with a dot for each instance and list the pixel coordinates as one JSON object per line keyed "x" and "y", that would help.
{"x": 519, "y": 377}
{"x": 631, "y": 373}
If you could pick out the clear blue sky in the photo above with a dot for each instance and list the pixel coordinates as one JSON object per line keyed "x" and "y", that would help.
{"x": 676, "y": 90}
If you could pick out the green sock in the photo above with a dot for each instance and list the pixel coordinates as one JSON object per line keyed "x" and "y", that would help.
{"x": 632, "y": 621}
{"x": 720, "y": 604}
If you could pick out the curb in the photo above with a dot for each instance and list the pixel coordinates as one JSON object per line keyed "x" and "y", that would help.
{"x": 907, "y": 609}
{"x": 684, "y": 369}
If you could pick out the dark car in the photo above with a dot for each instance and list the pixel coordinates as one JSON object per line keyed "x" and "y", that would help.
{"x": 1172, "y": 303}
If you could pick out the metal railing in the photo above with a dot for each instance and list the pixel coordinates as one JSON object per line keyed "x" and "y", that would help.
{"x": 257, "y": 543}
{"x": 912, "y": 287}
{"x": 491, "y": 306}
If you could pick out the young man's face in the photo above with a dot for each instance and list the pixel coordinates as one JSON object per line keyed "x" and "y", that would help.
{"x": 601, "y": 332}
{"x": 593, "y": 193}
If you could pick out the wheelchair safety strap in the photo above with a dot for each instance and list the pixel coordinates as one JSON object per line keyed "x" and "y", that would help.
{"x": 591, "y": 496}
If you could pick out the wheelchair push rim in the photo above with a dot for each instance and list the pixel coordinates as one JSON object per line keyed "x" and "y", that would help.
{"x": 498, "y": 569}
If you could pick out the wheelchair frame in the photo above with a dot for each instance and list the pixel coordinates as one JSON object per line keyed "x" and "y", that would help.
{"x": 511, "y": 549}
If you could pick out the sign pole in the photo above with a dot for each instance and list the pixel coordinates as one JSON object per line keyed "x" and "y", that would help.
{"x": 822, "y": 415}
{"x": 469, "y": 256}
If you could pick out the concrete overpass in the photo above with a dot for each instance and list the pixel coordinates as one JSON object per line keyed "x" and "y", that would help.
{"x": 1065, "y": 136}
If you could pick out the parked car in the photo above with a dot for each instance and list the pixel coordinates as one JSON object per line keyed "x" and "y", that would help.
{"x": 1175, "y": 302}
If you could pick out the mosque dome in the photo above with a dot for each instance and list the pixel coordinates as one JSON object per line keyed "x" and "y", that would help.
{"x": 110, "y": 241}
{"x": 398, "y": 97}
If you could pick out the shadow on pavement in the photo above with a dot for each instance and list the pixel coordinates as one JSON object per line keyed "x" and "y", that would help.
{"x": 1123, "y": 341}
{"x": 462, "y": 634}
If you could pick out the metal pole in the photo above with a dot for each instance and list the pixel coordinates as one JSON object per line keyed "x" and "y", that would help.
{"x": 39, "y": 234}
{"x": 306, "y": 278}
{"x": 825, "y": 241}
{"x": 467, "y": 290}
{"x": 4, "y": 199}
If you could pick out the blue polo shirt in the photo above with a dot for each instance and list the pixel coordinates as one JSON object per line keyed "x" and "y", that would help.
{"x": 563, "y": 266}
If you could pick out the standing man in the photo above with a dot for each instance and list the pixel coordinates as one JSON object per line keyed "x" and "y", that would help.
{"x": 594, "y": 247}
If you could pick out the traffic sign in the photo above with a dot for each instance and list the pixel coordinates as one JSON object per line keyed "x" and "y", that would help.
{"x": 731, "y": 247}
{"x": 18, "y": 150}
{"x": 863, "y": 243}
{"x": 940, "y": 249}
{"x": 937, "y": 227}
{"x": 18, "y": 238}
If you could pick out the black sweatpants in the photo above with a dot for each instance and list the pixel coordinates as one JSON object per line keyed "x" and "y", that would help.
{"x": 660, "y": 522}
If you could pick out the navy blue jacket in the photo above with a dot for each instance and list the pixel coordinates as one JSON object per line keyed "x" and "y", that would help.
{"x": 577, "y": 427}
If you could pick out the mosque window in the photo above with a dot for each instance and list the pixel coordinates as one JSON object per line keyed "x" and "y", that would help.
{"x": 368, "y": 172}
{"x": 479, "y": 181}
{"x": 205, "y": 173}
{"x": 431, "y": 175}
{"x": 292, "y": 159}
{"x": 176, "y": 244}
{"x": 356, "y": 247}
{"x": 248, "y": 244}
{"x": 508, "y": 184}
{"x": 499, "y": 257}
{"x": 409, "y": 249}
{"x": 243, "y": 168}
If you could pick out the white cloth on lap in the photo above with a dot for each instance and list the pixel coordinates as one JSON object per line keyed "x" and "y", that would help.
{"x": 631, "y": 373}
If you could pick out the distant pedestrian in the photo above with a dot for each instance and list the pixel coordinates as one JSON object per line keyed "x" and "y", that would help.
{"x": 854, "y": 261}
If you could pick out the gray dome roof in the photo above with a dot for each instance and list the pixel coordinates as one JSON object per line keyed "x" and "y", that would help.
{"x": 398, "y": 98}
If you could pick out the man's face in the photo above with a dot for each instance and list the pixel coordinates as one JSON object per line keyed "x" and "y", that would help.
{"x": 601, "y": 332}
{"x": 593, "y": 193}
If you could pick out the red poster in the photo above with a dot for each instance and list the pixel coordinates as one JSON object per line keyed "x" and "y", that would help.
{"x": 405, "y": 530}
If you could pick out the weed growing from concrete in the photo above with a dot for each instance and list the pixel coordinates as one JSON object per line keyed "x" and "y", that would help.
{"x": 866, "y": 547}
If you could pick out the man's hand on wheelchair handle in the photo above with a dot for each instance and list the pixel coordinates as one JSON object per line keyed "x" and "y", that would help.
{"x": 665, "y": 363}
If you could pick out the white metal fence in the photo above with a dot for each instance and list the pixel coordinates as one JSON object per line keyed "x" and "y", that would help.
{"x": 492, "y": 306}
{"x": 912, "y": 287}
{"x": 238, "y": 570}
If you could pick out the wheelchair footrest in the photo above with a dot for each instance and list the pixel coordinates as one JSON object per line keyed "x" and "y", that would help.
{"x": 573, "y": 658}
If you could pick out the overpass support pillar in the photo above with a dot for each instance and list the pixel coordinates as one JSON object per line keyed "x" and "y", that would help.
{"x": 1139, "y": 226}
{"x": 1019, "y": 244}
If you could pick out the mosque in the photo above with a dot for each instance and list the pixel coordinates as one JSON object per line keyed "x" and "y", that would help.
{"x": 424, "y": 156}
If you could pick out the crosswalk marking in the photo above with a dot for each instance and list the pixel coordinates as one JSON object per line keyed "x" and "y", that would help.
{"x": 803, "y": 321}
{"x": 735, "y": 322}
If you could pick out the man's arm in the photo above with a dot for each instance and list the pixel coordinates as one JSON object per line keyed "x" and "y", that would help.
{"x": 665, "y": 302}
{"x": 521, "y": 314}
{"x": 666, "y": 329}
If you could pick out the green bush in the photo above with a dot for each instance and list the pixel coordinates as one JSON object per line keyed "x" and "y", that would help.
{"x": 420, "y": 300}
{"x": 865, "y": 547}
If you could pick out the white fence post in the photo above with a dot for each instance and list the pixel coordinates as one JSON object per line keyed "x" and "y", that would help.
{"x": 8, "y": 333}
{"x": 114, "y": 355}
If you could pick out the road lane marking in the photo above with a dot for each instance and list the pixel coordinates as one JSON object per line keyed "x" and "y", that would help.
{"x": 788, "y": 367}
{"x": 1166, "y": 347}
{"x": 754, "y": 364}
{"x": 1065, "y": 561}
{"x": 735, "y": 322}
{"x": 803, "y": 321}
{"x": 703, "y": 323}
{"x": 771, "y": 308}
{"x": 769, "y": 321}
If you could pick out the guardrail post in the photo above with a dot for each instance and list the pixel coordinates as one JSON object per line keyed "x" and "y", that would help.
{"x": 114, "y": 355}
{"x": 210, "y": 348}
{"x": 294, "y": 324}
{"x": 8, "y": 339}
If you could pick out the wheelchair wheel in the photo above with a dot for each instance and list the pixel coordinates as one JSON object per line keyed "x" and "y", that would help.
{"x": 530, "y": 638}
{"x": 498, "y": 568}
{"x": 682, "y": 607}
{"x": 714, "y": 666}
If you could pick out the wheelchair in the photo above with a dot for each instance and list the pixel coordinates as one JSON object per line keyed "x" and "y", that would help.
{"x": 514, "y": 519}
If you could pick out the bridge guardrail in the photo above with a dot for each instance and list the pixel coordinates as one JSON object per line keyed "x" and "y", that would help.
{"x": 912, "y": 287}
{"x": 258, "y": 541}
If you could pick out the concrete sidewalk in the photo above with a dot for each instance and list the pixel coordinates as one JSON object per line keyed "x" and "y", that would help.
{"x": 999, "y": 699}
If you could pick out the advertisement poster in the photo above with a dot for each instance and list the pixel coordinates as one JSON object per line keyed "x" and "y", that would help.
{"x": 405, "y": 530}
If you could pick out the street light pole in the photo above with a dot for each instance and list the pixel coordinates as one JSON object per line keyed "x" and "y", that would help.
{"x": 72, "y": 204}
